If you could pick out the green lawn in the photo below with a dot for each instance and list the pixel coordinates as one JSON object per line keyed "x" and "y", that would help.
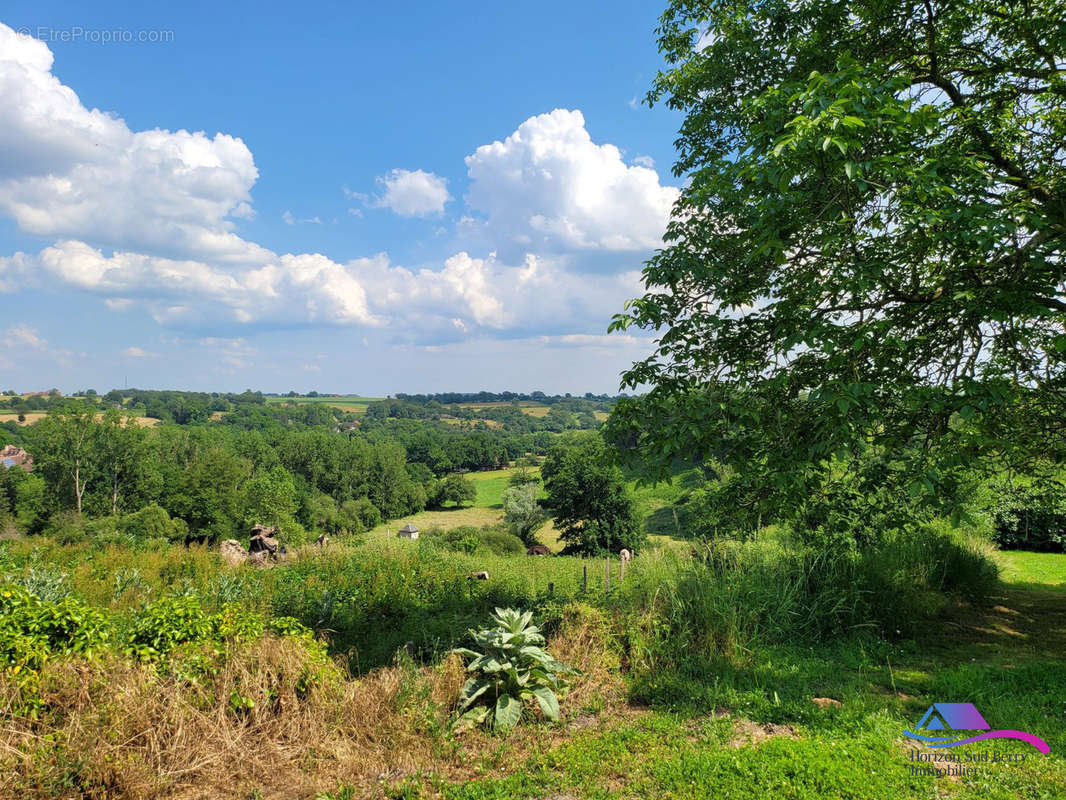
{"x": 492, "y": 484}
{"x": 1033, "y": 568}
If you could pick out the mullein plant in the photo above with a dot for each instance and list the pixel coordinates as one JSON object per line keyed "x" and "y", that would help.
{"x": 512, "y": 669}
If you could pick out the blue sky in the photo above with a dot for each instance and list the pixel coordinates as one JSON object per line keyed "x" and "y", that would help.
{"x": 346, "y": 197}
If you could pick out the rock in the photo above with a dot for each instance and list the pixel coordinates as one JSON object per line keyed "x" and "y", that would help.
{"x": 232, "y": 552}
{"x": 260, "y": 559}
{"x": 263, "y": 541}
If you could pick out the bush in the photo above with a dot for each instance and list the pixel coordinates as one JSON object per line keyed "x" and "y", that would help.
{"x": 1027, "y": 517}
{"x": 364, "y": 511}
{"x": 174, "y": 621}
{"x": 501, "y": 542}
{"x": 153, "y": 522}
{"x": 468, "y": 539}
{"x": 32, "y": 630}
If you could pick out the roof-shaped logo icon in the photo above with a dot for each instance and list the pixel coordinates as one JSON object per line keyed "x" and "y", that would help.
{"x": 953, "y": 716}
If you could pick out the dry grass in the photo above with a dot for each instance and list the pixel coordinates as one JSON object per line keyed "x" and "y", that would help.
{"x": 34, "y": 416}
{"x": 116, "y": 729}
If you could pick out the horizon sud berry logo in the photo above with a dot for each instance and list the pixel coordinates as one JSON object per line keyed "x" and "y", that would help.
{"x": 959, "y": 720}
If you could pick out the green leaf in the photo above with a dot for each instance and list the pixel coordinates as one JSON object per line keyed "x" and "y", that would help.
{"x": 548, "y": 702}
{"x": 508, "y": 712}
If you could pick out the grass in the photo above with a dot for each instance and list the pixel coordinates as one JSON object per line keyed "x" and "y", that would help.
{"x": 736, "y": 723}
{"x": 491, "y": 485}
{"x": 445, "y": 518}
{"x": 1035, "y": 569}
{"x": 753, "y": 729}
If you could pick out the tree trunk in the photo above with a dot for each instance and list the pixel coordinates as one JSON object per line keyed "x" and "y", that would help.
{"x": 77, "y": 486}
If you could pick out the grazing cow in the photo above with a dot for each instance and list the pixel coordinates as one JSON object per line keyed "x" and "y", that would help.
{"x": 538, "y": 550}
{"x": 625, "y": 555}
{"x": 322, "y": 540}
{"x": 479, "y": 576}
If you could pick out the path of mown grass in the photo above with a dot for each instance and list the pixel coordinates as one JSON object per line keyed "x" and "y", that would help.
{"x": 722, "y": 731}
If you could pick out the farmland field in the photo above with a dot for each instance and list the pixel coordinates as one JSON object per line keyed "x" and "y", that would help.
{"x": 34, "y": 416}
{"x": 352, "y": 404}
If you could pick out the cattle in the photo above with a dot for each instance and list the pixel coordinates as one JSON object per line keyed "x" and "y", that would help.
{"x": 538, "y": 550}
{"x": 625, "y": 555}
{"x": 478, "y": 576}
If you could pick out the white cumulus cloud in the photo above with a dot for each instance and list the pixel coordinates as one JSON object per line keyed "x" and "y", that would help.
{"x": 146, "y": 219}
{"x": 549, "y": 186}
{"x": 413, "y": 193}
{"x": 69, "y": 171}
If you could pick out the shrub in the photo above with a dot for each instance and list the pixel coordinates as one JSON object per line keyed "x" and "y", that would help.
{"x": 468, "y": 539}
{"x": 513, "y": 668}
{"x": 501, "y": 542}
{"x": 364, "y": 511}
{"x": 32, "y": 630}
{"x": 1029, "y": 517}
{"x": 522, "y": 513}
{"x": 153, "y": 522}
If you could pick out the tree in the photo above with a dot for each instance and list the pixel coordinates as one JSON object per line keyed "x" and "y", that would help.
{"x": 455, "y": 488}
{"x": 65, "y": 451}
{"x": 269, "y": 498}
{"x": 123, "y": 454}
{"x": 868, "y": 248}
{"x": 522, "y": 513}
{"x": 594, "y": 508}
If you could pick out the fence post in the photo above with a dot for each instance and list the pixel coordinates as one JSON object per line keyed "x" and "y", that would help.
{"x": 607, "y": 574}
{"x": 622, "y": 570}
{"x": 551, "y": 588}
{"x": 584, "y": 578}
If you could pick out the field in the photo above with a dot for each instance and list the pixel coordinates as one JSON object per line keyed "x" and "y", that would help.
{"x": 352, "y": 404}
{"x": 696, "y": 678}
{"x": 34, "y": 416}
{"x": 817, "y": 719}
{"x": 486, "y": 510}
{"x": 1038, "y": 570}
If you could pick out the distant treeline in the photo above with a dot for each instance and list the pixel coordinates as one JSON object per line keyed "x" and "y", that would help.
{"x": 180, "y": 407}
{"x": 450, "y": 398}
{"x": 100, "y": 474}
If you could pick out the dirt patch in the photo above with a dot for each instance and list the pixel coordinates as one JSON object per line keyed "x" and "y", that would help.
{"x": 746, "y": 732}
{"x": 826, "y": 702}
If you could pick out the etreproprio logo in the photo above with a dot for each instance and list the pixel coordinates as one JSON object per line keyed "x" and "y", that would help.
{"x": 965, "y": 717}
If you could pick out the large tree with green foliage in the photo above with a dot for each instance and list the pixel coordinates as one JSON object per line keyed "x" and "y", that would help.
{"x": 66, "y": 451}
{"x": 522, "y": 513}
{"x": 593, "y": 506}
{"x": 868, "y": 249}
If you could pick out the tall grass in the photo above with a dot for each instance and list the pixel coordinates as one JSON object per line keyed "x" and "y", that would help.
{"x": 714, "y": 600}
{"x": 732, "y": 596}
